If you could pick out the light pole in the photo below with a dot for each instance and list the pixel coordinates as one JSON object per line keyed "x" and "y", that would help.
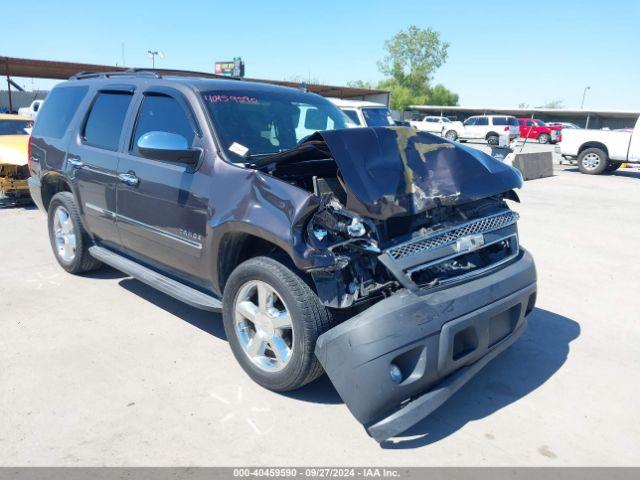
{"x": 152, "y": 55}
{"x": 584, "y": 94}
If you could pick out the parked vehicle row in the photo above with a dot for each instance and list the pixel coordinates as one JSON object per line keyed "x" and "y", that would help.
{"x": 491, "y": 127}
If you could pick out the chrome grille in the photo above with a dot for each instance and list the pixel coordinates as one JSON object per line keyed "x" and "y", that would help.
{"x": 450, "y": 235}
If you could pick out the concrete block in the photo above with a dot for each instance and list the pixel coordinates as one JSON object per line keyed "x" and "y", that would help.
{"x": 534, "y": 165}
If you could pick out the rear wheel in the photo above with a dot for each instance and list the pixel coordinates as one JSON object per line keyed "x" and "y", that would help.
{"x": 272, "y": 320}
{"x": 451, "y": 135}
{"x": 593, "y": 161}
{"x": 69, "y": 240}
{"x": 544, "y": 138}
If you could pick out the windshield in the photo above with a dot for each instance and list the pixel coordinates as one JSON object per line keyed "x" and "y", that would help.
{"x": 539, "y": 123}
{"x": 265, "y": 122}
{"x": 377, "y": 117}
{"x": 445, "y": 120}
{"x": 15, "y": 127}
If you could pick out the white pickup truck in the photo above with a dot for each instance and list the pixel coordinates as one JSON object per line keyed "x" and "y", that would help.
{"x": 438, "y": 125}
{"x": 601, "y": 151}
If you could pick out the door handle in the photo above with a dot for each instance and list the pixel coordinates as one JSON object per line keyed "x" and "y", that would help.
{"x": 129, "y": 179}
{"x": 75, "y": 162}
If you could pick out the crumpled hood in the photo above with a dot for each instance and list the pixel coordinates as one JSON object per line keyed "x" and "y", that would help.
{"x": 392, "y": 171}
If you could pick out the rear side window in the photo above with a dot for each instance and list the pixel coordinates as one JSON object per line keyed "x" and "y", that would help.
{"x": 353, "y": 115}
{"x": 160, "y": 113}
{"x": 513, "y": 121}
{"x": 482, "y": 121}
{"x": 58, "y": 110}
{"x": 499, "y": 120}
{"x": 105, "y": 121}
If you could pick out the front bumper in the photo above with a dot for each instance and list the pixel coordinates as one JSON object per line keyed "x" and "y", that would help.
{"x": 438, "y": 340}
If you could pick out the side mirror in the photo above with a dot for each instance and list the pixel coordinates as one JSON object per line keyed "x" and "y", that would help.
{"x": 169, "y": 147}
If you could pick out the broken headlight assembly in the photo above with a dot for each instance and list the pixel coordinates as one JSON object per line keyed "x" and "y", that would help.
{"x": 353, "y": 241}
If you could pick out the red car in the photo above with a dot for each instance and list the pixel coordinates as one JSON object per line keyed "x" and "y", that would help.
{"x": 537, "y": 129}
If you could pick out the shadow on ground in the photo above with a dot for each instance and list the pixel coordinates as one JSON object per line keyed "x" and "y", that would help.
{"x": 528, "y": 364}
{"x": 618, "y": 173}
{"x": 208, "y": 322}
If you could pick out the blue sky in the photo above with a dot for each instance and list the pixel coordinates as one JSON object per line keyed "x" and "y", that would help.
{"x": 502, "y": 52}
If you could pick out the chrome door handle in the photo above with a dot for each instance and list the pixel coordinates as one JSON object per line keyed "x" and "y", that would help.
{"x": 129, "y": 179}
{"x": 75, "y": 162}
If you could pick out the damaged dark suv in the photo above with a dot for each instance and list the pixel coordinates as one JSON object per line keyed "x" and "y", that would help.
{"x": 386, "y": 257}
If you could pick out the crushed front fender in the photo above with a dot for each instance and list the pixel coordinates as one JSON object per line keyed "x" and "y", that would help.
{"x": 438, "y": 341}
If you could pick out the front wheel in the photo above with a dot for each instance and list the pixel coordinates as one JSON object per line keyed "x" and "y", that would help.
{"x": 451, "y": 135}
{"x": 272, "y": 320}
{"x": 493, "y": 139}
{"x": 593, "y": 161}
{"x": 544, "y": 138}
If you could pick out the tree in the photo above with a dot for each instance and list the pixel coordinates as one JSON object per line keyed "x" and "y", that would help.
{"x": 413, "y": 55}
{"x": 552, "y": 104}
{"x": 359, "y": 84}
{"x": 439, "y": 95}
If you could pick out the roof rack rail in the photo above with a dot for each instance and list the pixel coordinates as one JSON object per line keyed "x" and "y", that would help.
{"x": 128, "y": 72}
{"x": 147, "y": 72}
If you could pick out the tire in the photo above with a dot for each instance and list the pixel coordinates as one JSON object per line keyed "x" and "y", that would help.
{"x": 493, "y": 139}
{"x": 451, "y": 135}
{"x": 612, "y": 167}
{"x": 307, "y": 316}
{"x": 593, "y": 161}
{"x": 69, "y": 240}
{"x": 544, "y": 138}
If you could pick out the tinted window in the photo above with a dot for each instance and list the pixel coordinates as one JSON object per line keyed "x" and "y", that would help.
{"x": 482, "y": 121}
{"x": 160, "y": 113}
{"x": 470, "y": 121}
{"x": 105, "y": 121}
{"x": 353, "y": 115}
{"x": 513, "y": 121}
{"x": 15, "y": 127}
{"x": 377, "y": 117}
{"x": 58, "y": 110}
{"x": 499, "y": 120}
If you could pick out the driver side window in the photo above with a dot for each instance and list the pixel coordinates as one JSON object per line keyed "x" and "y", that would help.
{"x": 470, "y": 121}
{"x": 161, "y": 113}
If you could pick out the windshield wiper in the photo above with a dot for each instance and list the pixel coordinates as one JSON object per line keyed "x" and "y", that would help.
{"x": 262, "y": 159}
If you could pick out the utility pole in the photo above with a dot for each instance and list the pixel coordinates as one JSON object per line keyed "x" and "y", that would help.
{"x": 584, "y": 94}
{"x": 152, "y": 55}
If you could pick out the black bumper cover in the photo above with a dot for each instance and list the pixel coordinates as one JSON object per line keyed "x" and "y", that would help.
{"x": 439, "y": 341}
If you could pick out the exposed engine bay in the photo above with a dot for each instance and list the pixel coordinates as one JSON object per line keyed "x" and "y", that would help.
{"x": 387, "y": 189}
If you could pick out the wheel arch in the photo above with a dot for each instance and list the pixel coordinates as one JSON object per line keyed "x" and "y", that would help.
{"x": 599, "y": 145}
{"x": 53, "y": 183}
{"x": 239, "y": 247}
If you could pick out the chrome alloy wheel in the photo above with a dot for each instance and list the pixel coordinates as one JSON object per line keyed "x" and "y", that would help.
{"x": 64, "y": 234}
{"x": 263, "y": 326}
{"x": 591, "y": 161}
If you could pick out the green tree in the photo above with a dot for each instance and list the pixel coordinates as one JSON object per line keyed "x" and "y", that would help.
{"x": 412, "y": 57}
{"x": 359, "y": 84}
